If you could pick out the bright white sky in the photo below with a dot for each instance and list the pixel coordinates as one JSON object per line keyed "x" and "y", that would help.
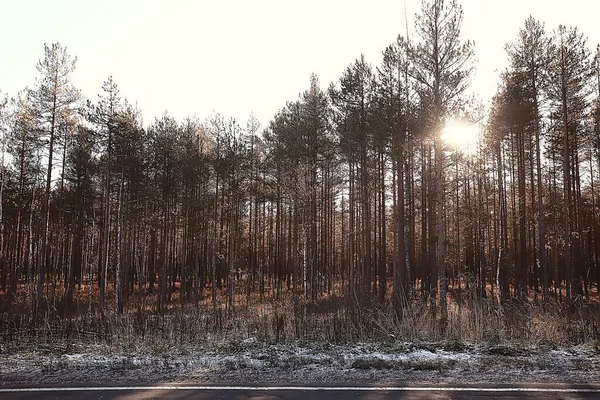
{"x": 237, "y": 57}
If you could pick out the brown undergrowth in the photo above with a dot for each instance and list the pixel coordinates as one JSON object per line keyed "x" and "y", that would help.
{"x": 331, "y": 319}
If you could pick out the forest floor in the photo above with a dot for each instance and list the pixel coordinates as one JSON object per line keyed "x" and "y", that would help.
{"x": 253, "y": 362}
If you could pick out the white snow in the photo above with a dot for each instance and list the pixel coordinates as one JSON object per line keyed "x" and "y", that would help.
{"x": 252, "y": 361}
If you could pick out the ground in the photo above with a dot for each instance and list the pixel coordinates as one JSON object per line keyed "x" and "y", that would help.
{"x": 253, "y": 362}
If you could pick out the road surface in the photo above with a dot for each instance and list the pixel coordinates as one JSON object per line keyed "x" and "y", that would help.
{"x": 301, "y": 393}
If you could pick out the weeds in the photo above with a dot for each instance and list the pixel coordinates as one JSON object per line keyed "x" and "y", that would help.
{"x": 331, "y": 320}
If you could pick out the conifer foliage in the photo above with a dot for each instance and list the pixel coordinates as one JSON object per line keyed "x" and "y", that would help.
{"x": 349, "y": 191}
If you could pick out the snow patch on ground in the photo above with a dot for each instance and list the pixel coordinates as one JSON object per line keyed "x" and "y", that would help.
{"x": 250, "y": 361}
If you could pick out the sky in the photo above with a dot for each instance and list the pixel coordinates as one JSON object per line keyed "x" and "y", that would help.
{"x": 193, "y": 58}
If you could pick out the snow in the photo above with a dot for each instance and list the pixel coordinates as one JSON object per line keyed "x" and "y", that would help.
{"x": 250, "y": 361}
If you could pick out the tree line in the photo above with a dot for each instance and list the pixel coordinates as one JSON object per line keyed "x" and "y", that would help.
{"x": 348, "y": 191}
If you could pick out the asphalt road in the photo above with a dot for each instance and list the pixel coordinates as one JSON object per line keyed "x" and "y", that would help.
{"x": 302, "y": 393}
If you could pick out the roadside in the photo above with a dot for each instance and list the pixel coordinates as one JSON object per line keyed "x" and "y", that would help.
{"x": 253, "y": 362}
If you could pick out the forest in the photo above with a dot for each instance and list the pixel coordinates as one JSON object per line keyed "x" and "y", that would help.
{"x": 349, "y": 216}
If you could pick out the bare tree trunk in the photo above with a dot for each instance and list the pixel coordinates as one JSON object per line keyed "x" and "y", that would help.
{"x": 351, "y": 232}
{"x": 566, "y": 177}
{"x": 540, "y": 199}
{"x": 42, "y": 260}
{"x": 118, "y": 272}
{"x": 441, "y": 230}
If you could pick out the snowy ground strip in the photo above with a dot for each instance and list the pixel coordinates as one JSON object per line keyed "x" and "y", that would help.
{"x": 250, "y": 361}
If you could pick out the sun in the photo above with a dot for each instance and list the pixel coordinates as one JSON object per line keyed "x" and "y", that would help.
{"x": 461, "y": 135}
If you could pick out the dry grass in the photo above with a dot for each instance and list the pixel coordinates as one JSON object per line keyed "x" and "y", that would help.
{"x": 331, "y": 319}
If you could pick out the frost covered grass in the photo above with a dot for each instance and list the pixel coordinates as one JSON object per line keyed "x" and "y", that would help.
{"x": 253, "y": 361}
{"x": 335, "y": 340}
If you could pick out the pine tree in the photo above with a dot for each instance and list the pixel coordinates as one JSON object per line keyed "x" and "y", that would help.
{"x": 352, "y": 102}
{"x": 53, "y": 97}
{"x": 442, "y": 65}
{"x": 104, "y": 116}
{"x": 529, "y": 60}
{"x": 569, "y": 89}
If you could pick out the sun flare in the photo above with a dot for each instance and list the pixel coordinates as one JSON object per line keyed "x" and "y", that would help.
{"x": 461, "y": 135}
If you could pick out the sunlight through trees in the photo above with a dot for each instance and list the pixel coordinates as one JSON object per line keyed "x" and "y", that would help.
{"x": 388, "y": 185}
